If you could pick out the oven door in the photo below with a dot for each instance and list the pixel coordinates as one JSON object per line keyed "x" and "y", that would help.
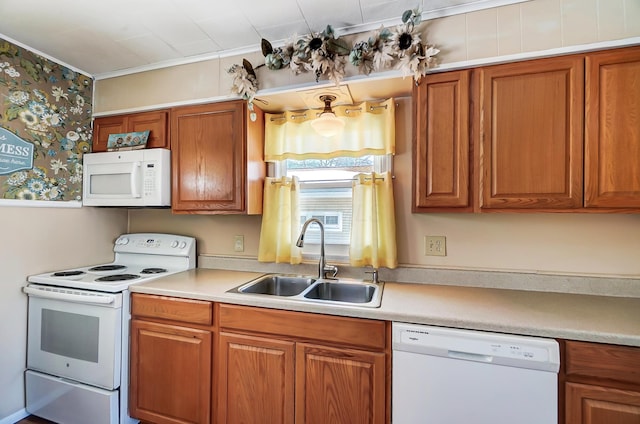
{"x": 75, "y": 334}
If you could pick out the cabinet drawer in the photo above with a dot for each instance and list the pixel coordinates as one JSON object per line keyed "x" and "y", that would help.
{"x": 358, "y": 332}
{"x": 603, "y": 361}
{"x": 171, "y": 308}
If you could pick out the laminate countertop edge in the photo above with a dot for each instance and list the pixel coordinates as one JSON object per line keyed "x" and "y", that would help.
{"x": 593, "y": 318}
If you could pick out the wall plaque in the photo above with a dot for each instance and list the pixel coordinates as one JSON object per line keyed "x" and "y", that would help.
{"x": 15, "y": 153}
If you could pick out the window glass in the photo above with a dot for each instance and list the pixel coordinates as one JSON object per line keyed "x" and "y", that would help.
{"x": 325, "y": 194}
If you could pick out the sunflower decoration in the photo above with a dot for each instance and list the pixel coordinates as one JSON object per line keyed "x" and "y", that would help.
{"x": 245, "y": 82}
{"x": 413, "y": 58}
{"x": 322, "y": 53}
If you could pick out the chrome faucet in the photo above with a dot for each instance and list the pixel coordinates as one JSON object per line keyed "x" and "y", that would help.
{"x": 323, "y": 268}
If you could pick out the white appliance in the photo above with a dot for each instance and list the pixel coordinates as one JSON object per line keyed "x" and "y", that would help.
{"x": 443, "y": 375}
{"x": 78, "y": 329}
{"x": 134, "y": 178}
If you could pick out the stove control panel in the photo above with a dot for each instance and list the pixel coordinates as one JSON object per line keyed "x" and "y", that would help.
{"x": 155, "y": 244}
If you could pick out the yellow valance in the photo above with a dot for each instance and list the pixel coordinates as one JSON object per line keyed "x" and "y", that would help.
{"x": 369, "y": 130}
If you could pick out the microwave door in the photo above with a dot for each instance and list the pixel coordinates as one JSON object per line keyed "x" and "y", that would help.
{"x": 113, "y": 184}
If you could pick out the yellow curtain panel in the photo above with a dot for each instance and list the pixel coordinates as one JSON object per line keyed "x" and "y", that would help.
{"x": 280, "y": 221}
{"x": 369, "y": 130}
{"x": 373, "y": 231}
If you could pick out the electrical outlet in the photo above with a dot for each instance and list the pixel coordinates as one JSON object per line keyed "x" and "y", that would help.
{"x": 435, "y": 246}
{"x": 238, "y": 244}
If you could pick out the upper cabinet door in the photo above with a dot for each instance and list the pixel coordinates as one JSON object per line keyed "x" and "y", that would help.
{"x": 441, "y": 154}
{"x": 216, "y": 157}
{"x": 156, "y": 123}
{"x": 612, "y": 138}
{"x": 529, "y": 129}
{"x": 104, "y": 126}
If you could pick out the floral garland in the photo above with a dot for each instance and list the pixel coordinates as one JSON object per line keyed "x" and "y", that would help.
{"x": 326, "y": 55}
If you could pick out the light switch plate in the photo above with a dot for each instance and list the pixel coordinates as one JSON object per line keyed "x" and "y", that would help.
{"x": 238, "y": 244}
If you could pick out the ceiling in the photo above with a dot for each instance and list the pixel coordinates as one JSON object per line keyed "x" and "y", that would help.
{"x": 102, "y": 38}
{"x": 117, "y": 37}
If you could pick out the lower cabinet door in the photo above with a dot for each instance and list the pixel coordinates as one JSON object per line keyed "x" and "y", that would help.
{"x": 339, "y": 385}
{"x": 256, "y": 380}
{"x": 170, "y": 375}
{"x": 587, "y": 404}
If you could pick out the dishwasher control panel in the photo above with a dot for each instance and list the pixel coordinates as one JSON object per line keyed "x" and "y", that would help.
{"x": 479, "y": 346}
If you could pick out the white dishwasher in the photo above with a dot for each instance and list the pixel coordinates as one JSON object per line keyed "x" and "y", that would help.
{"x": 451, "y": 376}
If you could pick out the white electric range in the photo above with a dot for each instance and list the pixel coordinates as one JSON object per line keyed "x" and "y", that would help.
{"x": 78, "y": 329}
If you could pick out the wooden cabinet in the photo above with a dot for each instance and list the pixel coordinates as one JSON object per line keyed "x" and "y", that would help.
{"x": 217, "y": 159}
{"x": 612, "y": 136}
{"x": 156, "y": 122}
{"x": 170, "y": 361}
{"x": 529, "y": 119}
{"x": 602, "y": 384}
{"x": 336, "y": 366}
{"x": 339, "y": 385}
{"x": 441, "y": 149}
{"x": 256, "y": 382}
{"x": 555, "y": 134}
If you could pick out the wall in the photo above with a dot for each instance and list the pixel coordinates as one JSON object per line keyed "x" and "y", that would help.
{"x": 36, "y": 240}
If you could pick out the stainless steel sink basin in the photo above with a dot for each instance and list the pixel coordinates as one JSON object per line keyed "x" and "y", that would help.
{"x": 278, "y": 285}
{"x": 309, "y": 289}
{"x": 342, "y": 292}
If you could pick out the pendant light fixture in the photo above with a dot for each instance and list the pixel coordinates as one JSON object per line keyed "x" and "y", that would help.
{"x": 327, "y": 124}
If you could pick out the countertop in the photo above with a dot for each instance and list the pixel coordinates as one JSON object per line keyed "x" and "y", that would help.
{"x": 602, "y": 319}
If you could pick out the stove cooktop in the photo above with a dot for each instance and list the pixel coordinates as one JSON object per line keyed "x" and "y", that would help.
{"x": 138, "y": 258}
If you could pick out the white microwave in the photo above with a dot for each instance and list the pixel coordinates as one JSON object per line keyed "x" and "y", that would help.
{"x": 133, "y": 178}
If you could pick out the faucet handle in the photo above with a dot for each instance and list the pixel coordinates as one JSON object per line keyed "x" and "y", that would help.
{"x": 332, "y": 269}
{"x": 374, "y": 275}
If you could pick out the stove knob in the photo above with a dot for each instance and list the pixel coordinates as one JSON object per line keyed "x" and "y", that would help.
{"x": 174, "y": 243}
{"x": 122, "y": 240}
{"x": 182, "y": 245}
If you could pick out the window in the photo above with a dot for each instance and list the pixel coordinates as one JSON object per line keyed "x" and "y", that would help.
{"x": 325, "y": 194}
{"x": 325, "y": 167}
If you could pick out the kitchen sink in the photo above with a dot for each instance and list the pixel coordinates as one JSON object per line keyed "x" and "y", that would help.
{"x": 310, "y": 289}
{"x": 342, "y": 292}
{"x": 278, "y": 285}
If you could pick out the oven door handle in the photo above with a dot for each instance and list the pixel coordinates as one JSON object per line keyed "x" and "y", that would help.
{"x": 95, "y": 299}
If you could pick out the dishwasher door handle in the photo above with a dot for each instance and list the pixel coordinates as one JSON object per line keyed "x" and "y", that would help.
{"x": 467, "y": 356}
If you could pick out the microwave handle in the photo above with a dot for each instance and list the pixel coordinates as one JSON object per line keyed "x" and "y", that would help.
{"x": 98, "y": 299}
{"x": 135, "y": 171}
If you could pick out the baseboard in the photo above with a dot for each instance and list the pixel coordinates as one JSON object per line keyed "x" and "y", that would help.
{"x": 15, "y": 417}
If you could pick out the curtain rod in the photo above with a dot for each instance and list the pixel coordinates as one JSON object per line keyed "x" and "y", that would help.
{"x": 344, "y": 180}
{"x": 347, "y": 111}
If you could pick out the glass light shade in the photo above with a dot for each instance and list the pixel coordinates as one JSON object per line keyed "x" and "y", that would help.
{"x": 327, "y": 124}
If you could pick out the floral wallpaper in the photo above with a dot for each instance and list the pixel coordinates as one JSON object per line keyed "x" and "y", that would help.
{"x": 48, "y": 105}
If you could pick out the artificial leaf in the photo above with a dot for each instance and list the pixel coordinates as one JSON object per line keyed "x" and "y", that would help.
{"x": 248, "y": 67}
{"x": 267, "y": 48}
{"x": 328, "y": 32}
{"x": 338, "y": 46}
{"x": 406, "y": 15}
